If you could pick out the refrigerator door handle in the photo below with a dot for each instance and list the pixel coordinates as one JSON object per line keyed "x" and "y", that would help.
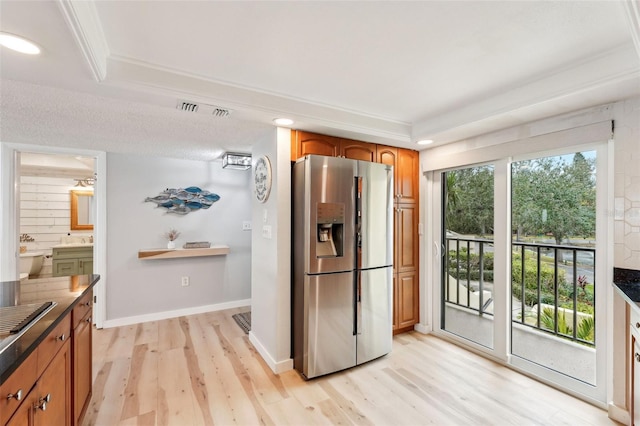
{"x": 357, "y": 326}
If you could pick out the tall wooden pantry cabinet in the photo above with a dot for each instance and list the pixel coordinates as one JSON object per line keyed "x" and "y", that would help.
{"x": 406, "y": 306}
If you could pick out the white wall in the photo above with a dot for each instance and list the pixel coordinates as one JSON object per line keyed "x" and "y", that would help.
{"x": 271, "y": 259}
{"x": 627, "y": 184}
{"x": 139, "y": 290}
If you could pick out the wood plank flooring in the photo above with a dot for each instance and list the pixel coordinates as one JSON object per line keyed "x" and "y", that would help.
{"x": 202, "y": 370}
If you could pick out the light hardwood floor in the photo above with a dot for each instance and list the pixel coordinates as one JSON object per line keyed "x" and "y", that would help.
{"x": 202, "y": 370}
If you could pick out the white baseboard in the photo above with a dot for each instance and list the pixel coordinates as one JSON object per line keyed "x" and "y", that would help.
{"x": 618, "y": 414}
{"x": 276, "y": 366}
{"x": 118, "y": 322}
{"x": 422, "y": 328}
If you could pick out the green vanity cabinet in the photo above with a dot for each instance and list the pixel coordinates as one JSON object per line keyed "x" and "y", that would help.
{"x": 72, "y": 260}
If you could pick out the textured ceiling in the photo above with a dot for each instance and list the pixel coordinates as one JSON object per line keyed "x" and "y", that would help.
{"x": 112, "y": 72}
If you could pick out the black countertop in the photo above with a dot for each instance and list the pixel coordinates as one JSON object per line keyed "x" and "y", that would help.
{"x": 627, "y": 281}
{"x": 65, "y": 291}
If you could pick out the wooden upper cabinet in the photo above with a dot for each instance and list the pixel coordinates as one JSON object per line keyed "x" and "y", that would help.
{"x": 406, "y": 174}
{"x": 406, "y": 169}
{"x": 358, "y": 150}
{"x": 305, "y": 143}
{"x": 387, "y": 155}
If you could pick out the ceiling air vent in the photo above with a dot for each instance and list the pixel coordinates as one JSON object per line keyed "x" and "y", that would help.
{"x": 216, "y": 111}
{"x": 187, "y": 106}
{"x": 221, "y": 112}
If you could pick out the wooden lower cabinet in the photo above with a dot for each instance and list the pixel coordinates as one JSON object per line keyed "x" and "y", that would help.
{"x": 406, "y": 301}
{"x": 54, "y": 383}
{"x": 49, "y": 401}
{"x": 82, "y": 376}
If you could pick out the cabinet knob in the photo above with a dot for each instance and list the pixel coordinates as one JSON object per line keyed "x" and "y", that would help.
{"x": 637, "y": 357}
{"x": 638, "y": 325}
{"x": 17, "y": 396}
{"x": 42, "y": 402}
{"x": 87, "y": 304}
{"x": 88, "y": 320}
{"x": 62, "y": 338}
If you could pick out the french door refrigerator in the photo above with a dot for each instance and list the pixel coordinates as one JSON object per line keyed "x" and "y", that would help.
{"x": 342, "y": 263}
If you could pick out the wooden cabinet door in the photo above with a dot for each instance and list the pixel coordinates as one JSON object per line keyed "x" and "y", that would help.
{"x": 55, "y": 386}
{"x": 82, "y": 375}
{"x": 406, "y": 244}
{"x": 407, "y": 169}
{"x": 407, "y": 299}
{"x": 18, "y": 386}
{"x": 311, "y": 143}
{"x": 387, "y": 155}
{"x": 85, "y": 266}
{"x": 358, "y": 150}
{"x": 24, "y": 414}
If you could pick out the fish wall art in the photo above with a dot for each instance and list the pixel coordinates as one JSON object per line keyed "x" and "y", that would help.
{"x": 184, "y": 200}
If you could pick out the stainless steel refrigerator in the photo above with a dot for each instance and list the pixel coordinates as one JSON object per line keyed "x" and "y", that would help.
{"x": 342, "y": 263}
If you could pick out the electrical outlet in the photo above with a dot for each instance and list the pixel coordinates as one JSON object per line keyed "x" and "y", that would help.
{"x": 185, "y": 281}
{"x": 246, "y": 225}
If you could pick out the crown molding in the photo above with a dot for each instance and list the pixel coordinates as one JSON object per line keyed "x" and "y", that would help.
{"x": 138, "y": 75}
{"x": 632, "y": 9}
{"x": 84, "y": 23}
{"x": 593, "y": 74}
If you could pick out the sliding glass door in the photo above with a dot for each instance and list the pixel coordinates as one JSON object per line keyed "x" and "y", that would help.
{"x": 522, "y": 270}
{"x": 467, "y": 280}
{"x": 553, "y": 263}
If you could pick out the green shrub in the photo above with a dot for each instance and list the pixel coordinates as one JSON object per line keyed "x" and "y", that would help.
{"x": 473, "y": 259}
{"x": 547, "y": 294}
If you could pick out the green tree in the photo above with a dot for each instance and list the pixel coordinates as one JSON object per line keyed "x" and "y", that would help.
{"x": 553, "y": 196}
{"x": 469, "y": 200}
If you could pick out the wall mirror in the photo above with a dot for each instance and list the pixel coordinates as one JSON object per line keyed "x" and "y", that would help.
{"x": 81, "y": 210}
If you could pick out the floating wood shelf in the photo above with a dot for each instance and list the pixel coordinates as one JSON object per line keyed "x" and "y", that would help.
{"x": 176, "y": 253}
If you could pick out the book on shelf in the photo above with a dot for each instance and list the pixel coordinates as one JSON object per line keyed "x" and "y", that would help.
{"x": 196, "y": 244}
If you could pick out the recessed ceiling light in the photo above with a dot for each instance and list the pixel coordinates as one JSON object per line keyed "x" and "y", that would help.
{"x": 18, "y": 44}
{"x": 283, "y": 121}
{"x": 425, "y": 142}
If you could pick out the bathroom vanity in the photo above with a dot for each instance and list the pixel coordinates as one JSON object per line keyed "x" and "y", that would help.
{"x": 72, "y": 259}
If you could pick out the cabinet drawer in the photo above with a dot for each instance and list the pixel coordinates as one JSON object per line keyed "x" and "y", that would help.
{"x": 20, "y": 382}
{"x": 81, "y": 309}
{"x": 53, "y": 342}
{"x": 72, "y": 252}
{"x": 62, "y": 268}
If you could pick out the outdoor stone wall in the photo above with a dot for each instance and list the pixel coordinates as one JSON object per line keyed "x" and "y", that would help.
{"x": 627, "y": 184}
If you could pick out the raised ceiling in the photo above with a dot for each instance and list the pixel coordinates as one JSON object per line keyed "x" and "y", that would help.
{"x": 112, "y": 72}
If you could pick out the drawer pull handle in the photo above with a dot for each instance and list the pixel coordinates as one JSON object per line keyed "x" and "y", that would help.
{"x": 42, "y": 402}
{"x": 637, "y": 357}
{"x": 17, "y": 395}
{"x": 62, "y": 338}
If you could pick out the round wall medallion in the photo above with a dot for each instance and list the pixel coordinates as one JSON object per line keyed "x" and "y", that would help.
{"x": 262, "y": 178}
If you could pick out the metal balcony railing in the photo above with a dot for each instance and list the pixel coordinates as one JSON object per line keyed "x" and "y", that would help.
{"x": 552, "y": 286}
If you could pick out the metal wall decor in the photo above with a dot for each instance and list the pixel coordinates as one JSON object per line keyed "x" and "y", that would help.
{"x": 183, "y": 201}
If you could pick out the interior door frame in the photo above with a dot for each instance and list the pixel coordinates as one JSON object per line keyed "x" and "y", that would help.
{"x": 10, "y": 218}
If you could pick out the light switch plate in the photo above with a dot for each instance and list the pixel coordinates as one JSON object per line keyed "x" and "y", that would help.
{"x": 246, "y": 225}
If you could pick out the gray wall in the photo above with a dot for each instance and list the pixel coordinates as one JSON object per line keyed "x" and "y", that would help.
{"x": 146, "y": 287}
